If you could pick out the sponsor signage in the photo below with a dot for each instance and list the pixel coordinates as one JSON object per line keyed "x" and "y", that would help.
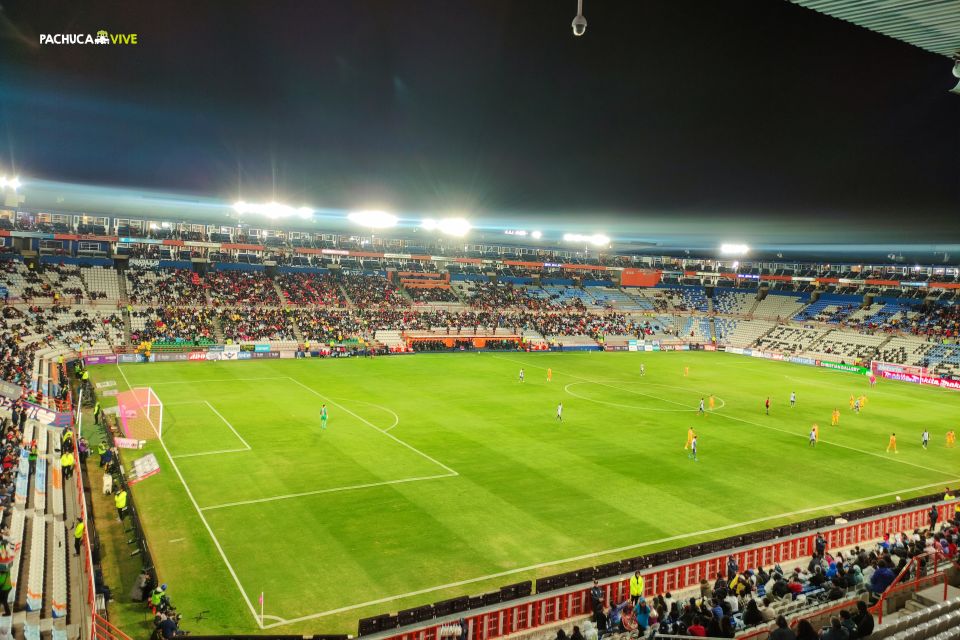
{"x": 840, "y": 366}
{"x": 170, "y": 357}
{"x": 915, "y": 378}
{"x": 106, "y": 383}
{"x": 143, "y": 468}
{"x": 92, "y": 360}
{"x": 195, "y": 356}
{"x": 109, "y": 392}
{"x": 268, "y": 354}
{"x": 127, "y": 358}
{"x": 246, "y": 347}
{"x": 261, "y": 348}
{"x": 128, "y": 443}
{"x": 244, "y": 355}
{"x": 810, "y": 362}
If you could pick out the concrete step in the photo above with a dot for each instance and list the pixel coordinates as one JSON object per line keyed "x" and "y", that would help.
{"x": 933, "y": 595}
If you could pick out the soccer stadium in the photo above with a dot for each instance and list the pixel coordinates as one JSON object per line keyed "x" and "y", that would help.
{"x": 457, "y": 320}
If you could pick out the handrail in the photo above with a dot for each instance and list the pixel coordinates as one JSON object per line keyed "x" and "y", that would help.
{"x": 917, "y": 565}
{"x": 104, "y": 630}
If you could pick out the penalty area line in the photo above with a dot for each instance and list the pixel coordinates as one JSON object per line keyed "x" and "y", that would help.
{"x": 317, "y": 492}
{"x": 596, "y": 554}
{"x": 213, "y": 537}
{"x": 373, "y": 426}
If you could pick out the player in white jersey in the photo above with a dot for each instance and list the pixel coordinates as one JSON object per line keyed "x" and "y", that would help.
{"x": 925, "y": 438}
{"x": 693, "y": 449}
{"x": 643, "y": 369}
{"x": 560, "y": 412}
{"x": 793, "y": 398}
{"x": 521, "y": 375}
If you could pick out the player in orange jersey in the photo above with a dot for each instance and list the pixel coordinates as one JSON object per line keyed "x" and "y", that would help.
{"x": 893, "y": 443}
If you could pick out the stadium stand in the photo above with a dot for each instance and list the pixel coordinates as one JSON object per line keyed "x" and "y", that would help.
{"x": 164, "y": 287}
{"x": 790, "y": 339}
{"x": 840, "y": 344}
{"x": 778, "y": 306}
{"x": 740, "y": 333}
{"x": 729, "y": 302}
{"x": 309, "y": 289}
{"x": 102, "y": 284}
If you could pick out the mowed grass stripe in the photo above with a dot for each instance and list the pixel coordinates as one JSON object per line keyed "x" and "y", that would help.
{"x": 530, "y": 492}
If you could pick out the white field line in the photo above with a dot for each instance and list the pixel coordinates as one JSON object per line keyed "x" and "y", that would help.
{"x": 210, "y": 453}
{"x": 153, "y": 384}
{"x": 226, "y": 422}
{"x": 566, "y": 389}
{"x": 206, "y": 524}
{"x": 246, "y": 446}
{"x": 596, "y": 554}
{"x": 396, "y": 418}
{"x": 322, "y": 491}
{"x": 373, "y": 426}
{"x": 757, "y": 424}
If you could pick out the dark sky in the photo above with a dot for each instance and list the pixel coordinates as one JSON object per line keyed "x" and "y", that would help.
{"x": 731, "y": 109}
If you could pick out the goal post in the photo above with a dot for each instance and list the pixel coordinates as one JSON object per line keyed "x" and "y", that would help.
{"x": 141, "y": 414}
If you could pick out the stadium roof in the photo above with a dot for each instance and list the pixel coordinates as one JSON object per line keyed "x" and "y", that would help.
{"x": 933, "y": 25}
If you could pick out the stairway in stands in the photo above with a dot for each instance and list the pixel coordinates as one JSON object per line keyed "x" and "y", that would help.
{"x": 43, "y": 511}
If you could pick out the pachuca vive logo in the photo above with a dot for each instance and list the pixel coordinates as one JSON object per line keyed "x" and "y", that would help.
{"x": 102, "y": 37}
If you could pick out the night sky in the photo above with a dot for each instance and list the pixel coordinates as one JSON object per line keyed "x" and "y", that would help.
{"x": 741, "y": 112}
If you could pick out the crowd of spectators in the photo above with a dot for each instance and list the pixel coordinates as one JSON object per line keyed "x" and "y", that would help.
{"x": 432, "y": 294}
{"x": 242, "y": 288}
{"x": 16, "y": 355}
{"x": 74, "y": 326}
{"x": 165, "y": 287}
{"x": 172, "y": 326}
{"x": 371, "y": 291}
{"x": 311, "y": 289}
{"x": 936, "y": 322}
{"x": 255, "y": 323}
{"x": 490, "y": 296}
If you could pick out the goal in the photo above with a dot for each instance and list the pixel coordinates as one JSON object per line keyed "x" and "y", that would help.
{"x": 141, "y": 414}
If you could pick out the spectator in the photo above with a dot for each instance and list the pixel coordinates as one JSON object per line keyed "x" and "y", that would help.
{"x": 805, "y": 631}
{"x": 697, "y": 629}
{"x": 834, "y": 632}
{"x": 863, "y": 619}
{"x": 751, "y": 614}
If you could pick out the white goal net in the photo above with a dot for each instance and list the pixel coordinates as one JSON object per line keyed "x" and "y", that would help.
{"x": 141, "y": 414}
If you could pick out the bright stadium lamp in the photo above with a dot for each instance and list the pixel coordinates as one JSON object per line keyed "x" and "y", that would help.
{"x": 536, "y": 235}
{"x": 458, "y": 227}
{"x": 730, "y": 249}
{"x": 597, "y": 239}
{"x": 273, "y": 210}
{"x": 449, "y": 226}
{"x": 373, "y": 219}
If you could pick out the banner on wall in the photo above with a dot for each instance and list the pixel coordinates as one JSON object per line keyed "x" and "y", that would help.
{"x": 143, "y": 468}
{"x": 129, "y": 358}
{"x": 935, "y": 381}
{"x": 144, "y": 264}
{"x": 841, "y": 366}
{"x": 93, "y": 360}
{"x": 268, "y": 354}
{"x": 42, "y": 415}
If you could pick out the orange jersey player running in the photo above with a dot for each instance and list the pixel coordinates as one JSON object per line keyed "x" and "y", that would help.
{"x": 835, "y": 418}
{"x": 690, "y": 436}
{"x": 711, "y": 402}
{"x": 863, "y": 402}
{"x": 686, "y": 371}
{"x": 951, "y": 439}
{"x": 549, "y": 374}
{"x": 852, "y": 401}
{"x": 893, "y": 443}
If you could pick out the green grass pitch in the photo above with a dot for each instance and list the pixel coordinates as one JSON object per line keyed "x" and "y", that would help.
{"x": 440, "y": 475}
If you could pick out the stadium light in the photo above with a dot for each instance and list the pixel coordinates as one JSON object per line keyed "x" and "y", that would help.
{"x": 373, "y": 219}
{"x": 536, "y": 235}
{"x": 10, "y": 183}
{"x": 729, "y": 249}
{"x": 273, "y": 210}
{"x": 450, "y": 226}
{"x": 597, "y": 239}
